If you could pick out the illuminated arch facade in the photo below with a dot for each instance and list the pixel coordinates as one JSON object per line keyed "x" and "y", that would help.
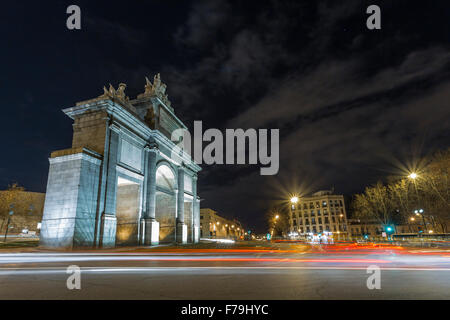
{"x": 123, "y": 182}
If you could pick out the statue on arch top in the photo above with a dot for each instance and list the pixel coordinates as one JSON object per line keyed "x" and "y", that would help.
{"x": 113, "y": 93}
{"x": 157, "y": 88}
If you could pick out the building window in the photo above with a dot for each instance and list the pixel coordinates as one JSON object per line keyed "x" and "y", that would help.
{"x": 324, "y": 204}
{"x": 313, "y": 220}
{"x": 340, "y": 203}
{"x": 320, "y": 220}
{"x": 311, "y": 205}
{"x": 317, "y": 204}
{"x": 293, "y": 207}
{"x": 201, "y": 217}
{"x": 295, "y": 222}
{"x": 326, "y": 220}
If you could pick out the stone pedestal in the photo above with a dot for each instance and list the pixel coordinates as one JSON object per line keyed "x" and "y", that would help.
{"x": 196, "y": 234}
{"x": 108, "y": 231}
{"x": 149, "y": 232}
{"x": 181, "y": 233}
{"x": 70, "y": 202}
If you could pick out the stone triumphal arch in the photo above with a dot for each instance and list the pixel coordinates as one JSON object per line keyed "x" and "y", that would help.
{"x": 123, "y": 182}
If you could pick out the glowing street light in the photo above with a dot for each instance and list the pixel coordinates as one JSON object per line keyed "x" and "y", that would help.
{"x": 294, "y": 199}
{"x": 430, "y": 231}
{"x": 412, "y": 218}
{"x": 413, "y": 176}
{"x": 277, "y": 216}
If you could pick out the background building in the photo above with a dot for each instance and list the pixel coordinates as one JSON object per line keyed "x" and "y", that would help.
{"x": 28, "y": 208}
{"x": 214, "y": 226}
{"x": 321, "y": 212}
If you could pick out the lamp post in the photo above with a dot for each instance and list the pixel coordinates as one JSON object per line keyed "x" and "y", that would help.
{"x": 276, "y": 217}
{"x": 10, "y": 213}
{"x": 419, "y": 212}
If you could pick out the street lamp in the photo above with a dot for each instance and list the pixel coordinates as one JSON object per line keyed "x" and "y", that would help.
{"x": 10, "y": 214}
{"x": 294, "y": 199}
{"x": 277, "y": 217}
{"x": 419, "y": 212}
{"x": 413, "y": 176}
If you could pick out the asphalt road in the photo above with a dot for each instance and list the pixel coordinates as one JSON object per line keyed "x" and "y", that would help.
{"x": 323, "y": 273}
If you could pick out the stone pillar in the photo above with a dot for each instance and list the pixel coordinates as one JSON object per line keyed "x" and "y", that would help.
{"x": 195, "y": 212}
{"x": 108, "y": 219}
{"x": 149, "y": 225}
{"x": 70, "y": 201}
{"x": 181, "y": 227}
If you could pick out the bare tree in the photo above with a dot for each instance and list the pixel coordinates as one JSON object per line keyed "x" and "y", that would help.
{"x": 375, "y": 204}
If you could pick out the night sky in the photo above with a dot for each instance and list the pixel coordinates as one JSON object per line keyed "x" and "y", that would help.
{"x": 353, "y": 105}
